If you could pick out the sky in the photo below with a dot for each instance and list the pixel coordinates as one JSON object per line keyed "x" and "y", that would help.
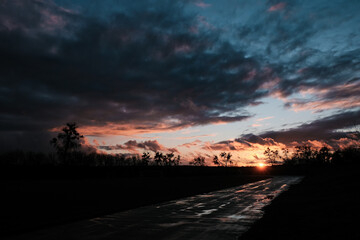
{"x": 193, "y": 77}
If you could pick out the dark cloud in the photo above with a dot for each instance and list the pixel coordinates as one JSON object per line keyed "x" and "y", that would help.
{"x": 328, "y": 129}
{"x": 228, "y": 145}
{"x": 251, "y": 138}
{"x": 306, "y": 44}
{"x": 244, "y": 142}
{"x": 139, "y": 66}
{"x": 134, "y": 65}
{"x": 134, "y": 146}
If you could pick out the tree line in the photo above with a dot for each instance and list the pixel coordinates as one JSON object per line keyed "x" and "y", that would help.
{"x": 223, "y": 160}
{"x": 67, "y": 145}
{"x": 307, "y": 155}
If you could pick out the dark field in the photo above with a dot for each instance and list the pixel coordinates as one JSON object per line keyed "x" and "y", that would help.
{"x": 35, "y": 198}
{"x": 324, "y": 205}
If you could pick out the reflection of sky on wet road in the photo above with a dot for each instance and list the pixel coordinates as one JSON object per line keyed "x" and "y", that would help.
{"x": 223, "y": 214}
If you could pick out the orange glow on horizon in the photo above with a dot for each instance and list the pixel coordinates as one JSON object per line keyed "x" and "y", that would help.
{"x": 261, "y": 166}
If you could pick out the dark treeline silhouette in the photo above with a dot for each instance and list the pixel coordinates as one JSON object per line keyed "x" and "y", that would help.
{"x": 306, "y": 155}
{"x": 223, "y": 160}
{"x": 79, "y": 158}
{"x": 303, "y": 155}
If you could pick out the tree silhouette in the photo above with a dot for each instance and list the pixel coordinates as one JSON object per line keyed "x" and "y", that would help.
{"x": 158, "y": 158}
{"x": 324, "y": 155}
{"x": 177, "y": 160}
{"x": 168, "y": 159}
{"x": 198, "y": 161}
{"x": 68, "y": 140}
{"x": 216, "y": 161}
{"x": 304, "y": 154}
{"x": 272, "y": 155}
{"x": 145, "y": 158}
{"x": 226, "y": 158}
{"x": 286, "y": 153}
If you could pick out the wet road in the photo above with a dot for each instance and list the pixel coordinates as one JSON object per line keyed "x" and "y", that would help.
{"x": 224, "y": 214}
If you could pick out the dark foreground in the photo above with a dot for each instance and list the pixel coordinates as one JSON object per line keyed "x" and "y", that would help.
{"x": 223, "y": 214}
{"x": 38, "y": 198}
{"x": 325, "y": 205}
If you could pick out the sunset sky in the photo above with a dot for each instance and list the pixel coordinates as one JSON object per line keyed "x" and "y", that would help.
{"x": 194, "y": 77}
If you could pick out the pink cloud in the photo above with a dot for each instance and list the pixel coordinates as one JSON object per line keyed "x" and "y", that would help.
{"x": 321, "y": 105}
{"x": 202, "y": 4}
{"x": 52, "y": 21}
{"x": 191, "y": 144}
{"x": 139, "y": 127}
{"x": 271, "y": 83}
{"x": 263, "y": 119}
{"x": 87, "y": 147}
{"x": 331, "y": 143}
{"x": 277, "y": 7}
{"x": 317, "y": 144}
{"x": 345, "y": 96}
{"x": 346, "y": 142}
{"x": 46, "y": 17}
{"x": 227, "y": 146}
{"x": 182, "y": 48}
{"x": 123, "y": 129}
{"x": 250, "y": 75}
{"x": 194, "y": 29}
{"x": 302, "y": 70}
{"x": 96, "y": 142}
{"x": 133, "y": 146}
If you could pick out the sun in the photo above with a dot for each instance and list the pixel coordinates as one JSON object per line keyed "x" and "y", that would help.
{"x": 261, "y": 165}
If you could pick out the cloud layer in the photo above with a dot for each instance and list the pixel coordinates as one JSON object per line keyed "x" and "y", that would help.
{"x": 131, "y": 67}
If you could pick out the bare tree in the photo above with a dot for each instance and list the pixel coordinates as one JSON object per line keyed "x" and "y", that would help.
{"x": 216, "y": 161}
{"x": 145, "y": 158}
{"x": 177, "y": 160}
{"x": 286, "y": 153}
{"x": 68, "y": 140}
{"x": 272, "y": 156}
{"x": 226, "y": 158}
{"x": 198, "y": 161}
{"x": 158, "y": 158}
